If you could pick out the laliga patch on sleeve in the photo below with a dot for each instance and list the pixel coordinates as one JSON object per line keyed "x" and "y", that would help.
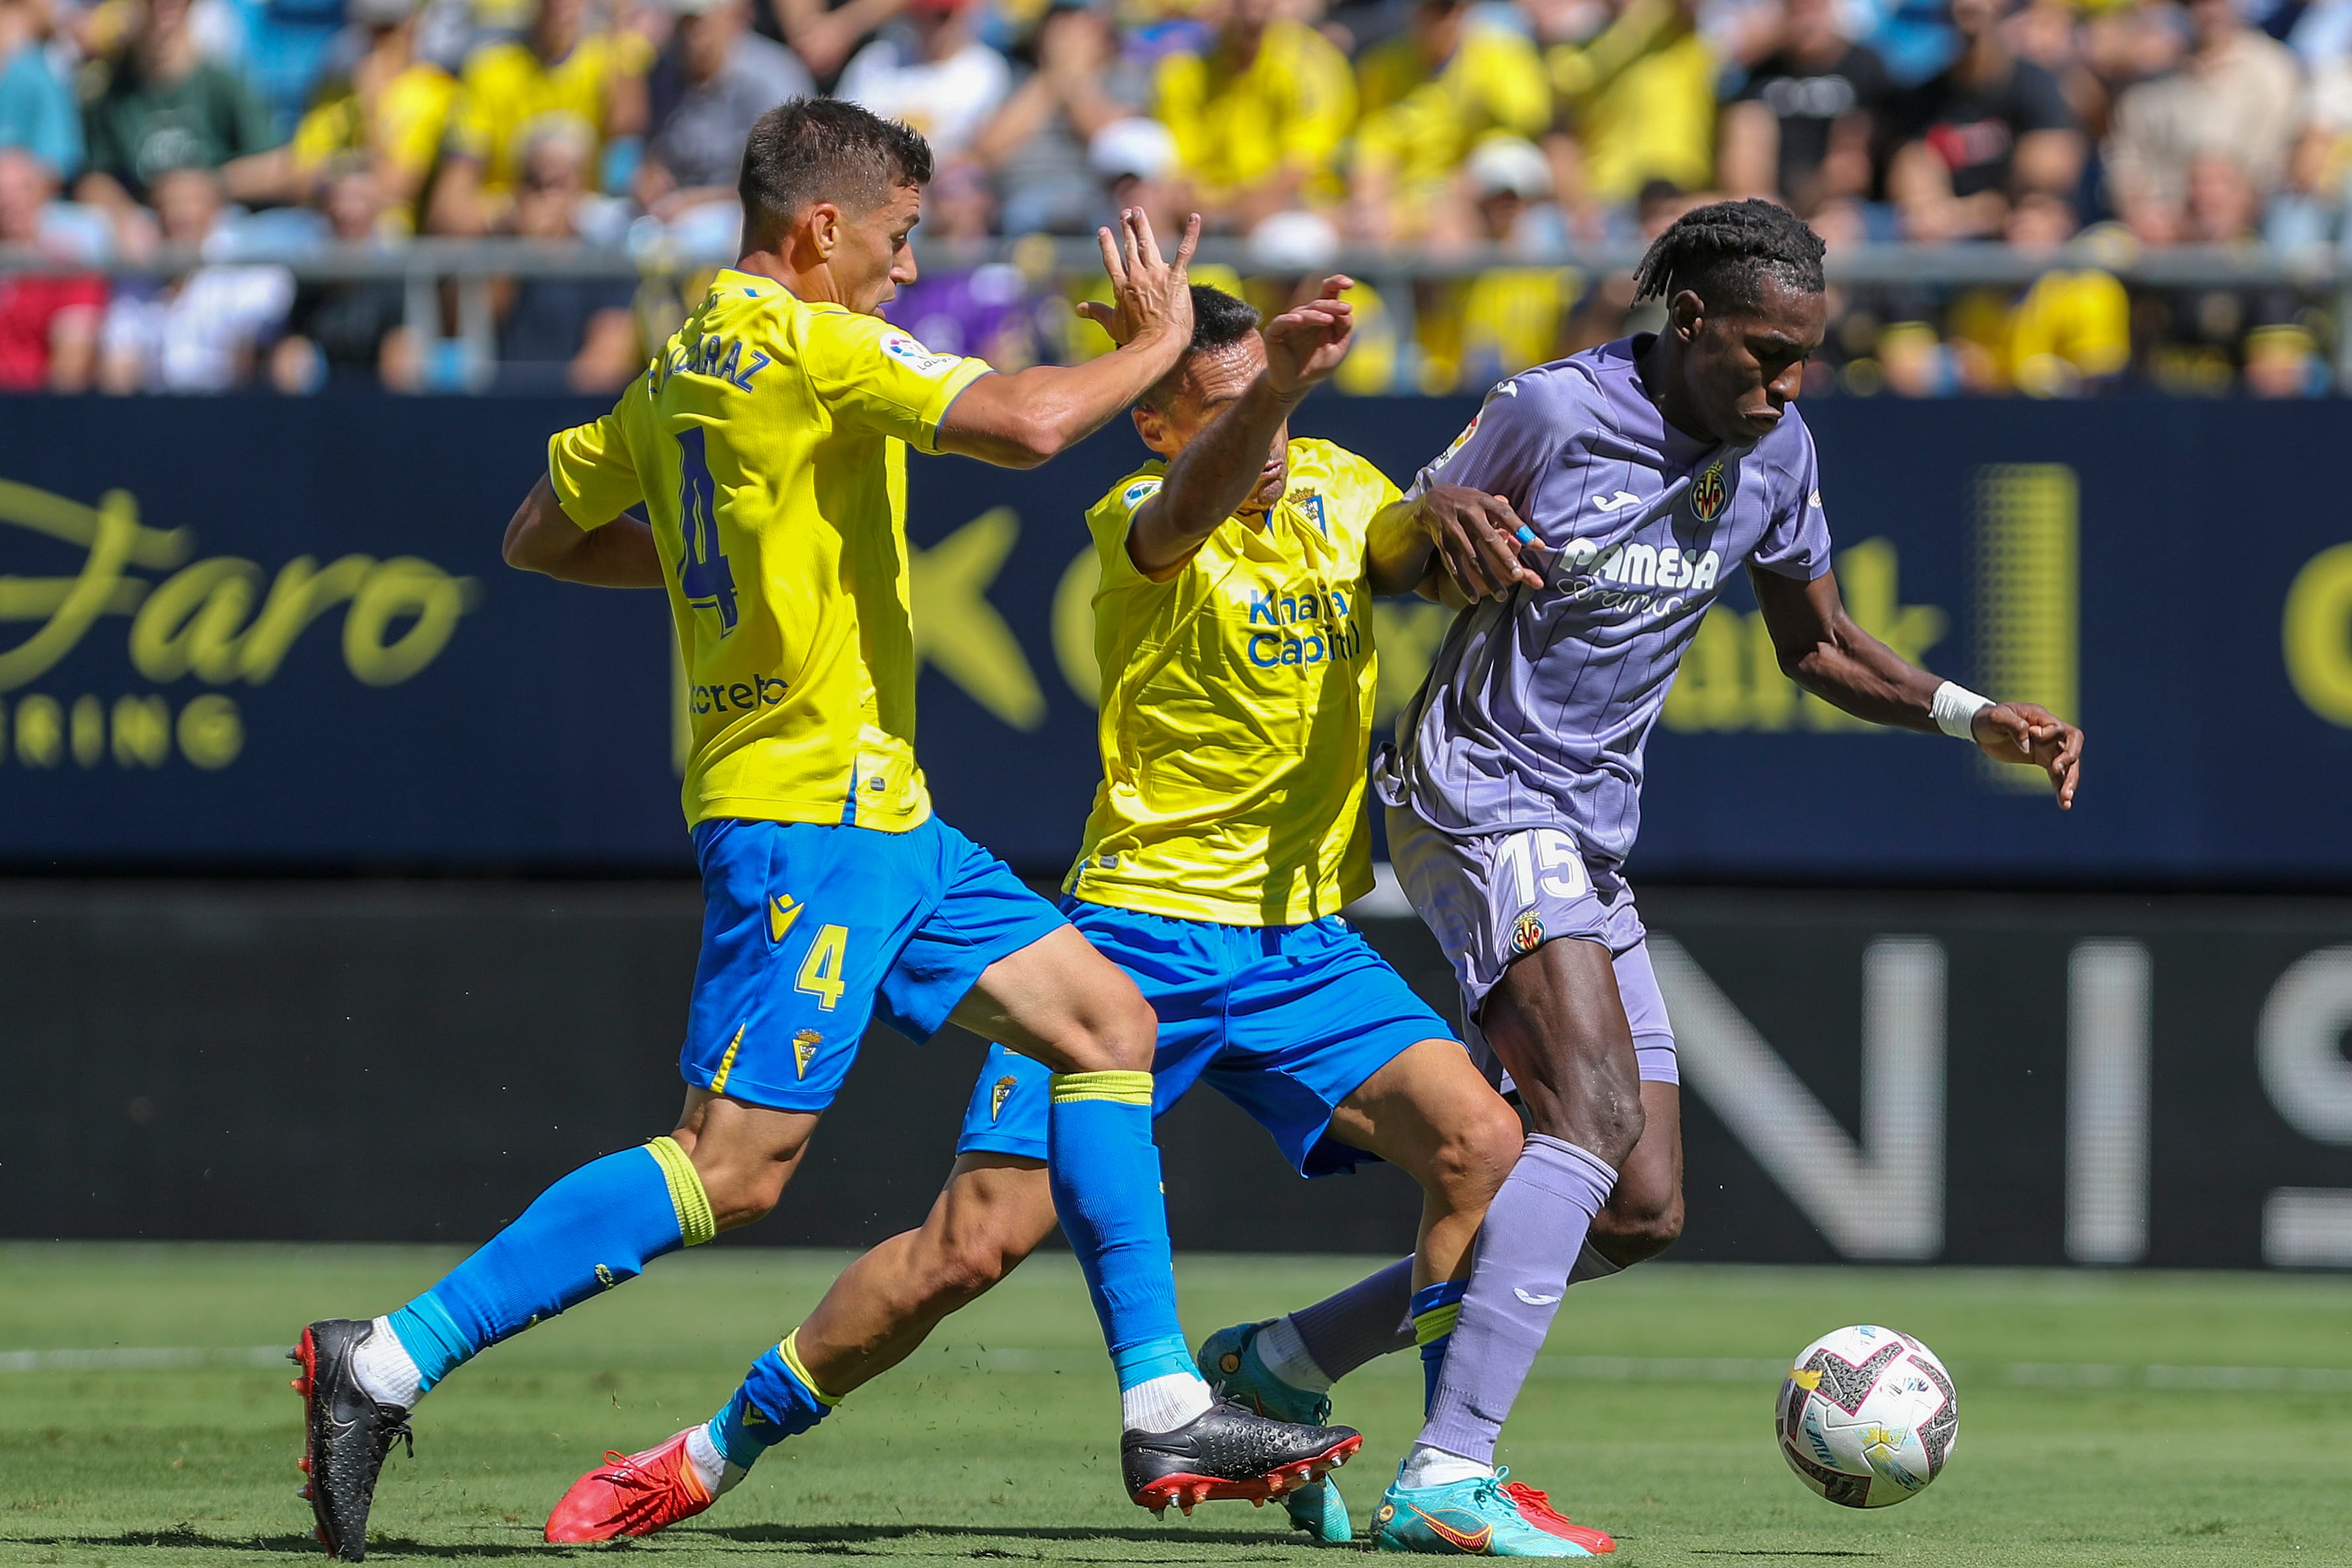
{"x": 1136, "y": 494}
{"x": 907, "y": 350}
{"x": 1459, "y": 442}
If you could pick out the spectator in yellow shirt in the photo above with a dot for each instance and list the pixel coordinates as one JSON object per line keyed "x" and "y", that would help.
{"x": 391, "y": 110}
{"x": 2065, "y": 334}
{"x": 559, "y": 68}
{"x": 1640, "y": 98}
{"x": 1427, "y": 99}
{"x": 1259, "y": 118}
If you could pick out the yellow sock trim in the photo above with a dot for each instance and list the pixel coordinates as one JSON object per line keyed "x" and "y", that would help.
{"x": 1436, "y": 1323}
{"x": 1124, "y": 1088}
{"x": 686, "y": 1193}
{"x": 791, "y": 1351}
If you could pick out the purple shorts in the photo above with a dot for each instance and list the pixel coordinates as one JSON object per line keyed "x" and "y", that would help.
{"x": 1492, "y": 898}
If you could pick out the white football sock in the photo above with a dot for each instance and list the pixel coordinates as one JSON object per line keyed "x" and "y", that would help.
{"x": 383, "y": 1369}
{"x": 1285, "y": 1355}
{"x": 711, "y": 1467}
{"x": 1428, "y": 1466}
{"x": 1163, "y": 1404}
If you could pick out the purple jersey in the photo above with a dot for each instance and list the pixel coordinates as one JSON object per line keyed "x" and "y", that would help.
{"x": 1537, "y": 707}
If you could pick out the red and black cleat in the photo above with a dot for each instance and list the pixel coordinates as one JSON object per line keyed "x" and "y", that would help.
{"x": 1536, "y": 1508}
{"x": 346, "y": 1434}
{"x": 1229, "y": 1452}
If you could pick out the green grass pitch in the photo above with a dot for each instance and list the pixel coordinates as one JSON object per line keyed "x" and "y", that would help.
{"x": 2106, "y": 1419}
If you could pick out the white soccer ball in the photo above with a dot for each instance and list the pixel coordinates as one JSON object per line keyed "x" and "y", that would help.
{"x": 1868, "y": 1418}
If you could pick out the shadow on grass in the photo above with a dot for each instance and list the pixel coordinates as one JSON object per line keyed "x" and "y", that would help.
{"x": 854, "y": 1534}
{"x": 287, "y": 1545}
{"x": 844, "y": 1538}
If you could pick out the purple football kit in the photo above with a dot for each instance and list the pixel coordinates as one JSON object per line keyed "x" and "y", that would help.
{"x": 1514, "y": 790}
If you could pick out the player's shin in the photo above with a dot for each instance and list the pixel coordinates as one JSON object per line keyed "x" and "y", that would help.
{"x": 1369, "y": 1319}
{"x": 596, "y": 1227}
{"x": 1533, "y": 1232}
{"x": 1105, "y": 1172}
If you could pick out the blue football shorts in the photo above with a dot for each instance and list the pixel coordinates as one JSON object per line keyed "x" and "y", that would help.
{"x": 1284, "y": 1021}
{"x": 810, "y": 931}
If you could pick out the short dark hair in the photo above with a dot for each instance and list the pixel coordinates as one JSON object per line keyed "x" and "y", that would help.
{"x": 1721, "y": 250}
{"x": 1219, "y": 321}
{"x": 810, "y": 150}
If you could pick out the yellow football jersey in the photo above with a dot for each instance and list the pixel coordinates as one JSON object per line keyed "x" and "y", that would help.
{"x": 767, "y": 441}
{"x": 506, "y": 88}
{"x": 1237, "y": 707}
{"x": 1292, "y": 105}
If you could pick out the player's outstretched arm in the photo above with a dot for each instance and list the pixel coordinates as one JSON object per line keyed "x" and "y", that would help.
{"x": 1454, "y": 545}
{"x": 543, "y": 538}
{"x": 1018, "y": 421}
{"x": 1822, "y": 649}
{"x": 1218, "y": 470}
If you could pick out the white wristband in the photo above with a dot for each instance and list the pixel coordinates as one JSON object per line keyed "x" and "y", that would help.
{"x": 1955, "y": 709}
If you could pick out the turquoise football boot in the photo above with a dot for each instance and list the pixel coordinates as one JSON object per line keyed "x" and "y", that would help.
{"x": 1230, "y": 1363}
{"x": 1477, "y": 1518}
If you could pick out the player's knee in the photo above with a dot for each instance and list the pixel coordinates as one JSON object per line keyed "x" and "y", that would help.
{"x": 742, "y": 1185}
{"x": 1598, "y": 1109}
{"x": 972, "y": 1260}
{"x": 1477, "y": 1155}
{"x": 1635, "y": 1227}
{"x": 739, "y": 1197}
{"x": 1116, "y": 1033}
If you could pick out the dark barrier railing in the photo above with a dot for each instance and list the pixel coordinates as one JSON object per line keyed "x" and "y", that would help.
{"x": 262, "y": 633}
{"x": 2319, "y": 275}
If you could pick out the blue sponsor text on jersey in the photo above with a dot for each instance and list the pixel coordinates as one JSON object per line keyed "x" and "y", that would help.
{"x": 1333, "y": 635}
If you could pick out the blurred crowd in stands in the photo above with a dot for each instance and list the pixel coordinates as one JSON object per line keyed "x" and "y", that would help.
{"x": 248, "y": 131}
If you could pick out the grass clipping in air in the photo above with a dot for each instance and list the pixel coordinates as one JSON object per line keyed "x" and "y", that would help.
{"x": 2114, "y": 1418}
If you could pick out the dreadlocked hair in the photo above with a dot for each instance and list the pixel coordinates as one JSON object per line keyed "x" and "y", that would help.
{"x": 1720, "y": 251}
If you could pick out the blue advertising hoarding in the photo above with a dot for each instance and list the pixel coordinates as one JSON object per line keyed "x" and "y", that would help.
{"x": 276, "y": 634}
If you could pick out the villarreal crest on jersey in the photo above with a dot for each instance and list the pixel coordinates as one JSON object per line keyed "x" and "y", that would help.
{"x": 768, "y": 441}
{"x": 1237, "y": 706}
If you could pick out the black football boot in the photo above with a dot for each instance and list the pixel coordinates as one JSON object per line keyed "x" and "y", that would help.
{"x": 346, "y": 1434}
{"x": 1228, "y": 1451}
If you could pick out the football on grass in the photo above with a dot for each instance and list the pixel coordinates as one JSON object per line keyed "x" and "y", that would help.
{"x": 1867, "y": 1416}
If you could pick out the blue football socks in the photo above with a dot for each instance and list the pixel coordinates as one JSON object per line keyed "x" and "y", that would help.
{"x": 1105, "y": 1172}
{"x": 777, "y": 1400}
{"x": 1433, "y": 1310}
{"x": 597, "y": 1227}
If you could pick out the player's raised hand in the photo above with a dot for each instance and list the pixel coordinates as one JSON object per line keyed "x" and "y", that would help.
{"x": 1481, "y": 539}
{"x": 1307, "y": 343}
{"x": 1149, "y": 296}
{"x": 2034, "y": 737}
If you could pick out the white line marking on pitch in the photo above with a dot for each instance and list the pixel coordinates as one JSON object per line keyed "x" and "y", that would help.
{"x": 1577, "y": 1368}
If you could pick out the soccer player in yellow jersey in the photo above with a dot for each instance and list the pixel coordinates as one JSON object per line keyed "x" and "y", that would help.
{"x": 766, "y": 442}
{"x": 1233, "y": 627}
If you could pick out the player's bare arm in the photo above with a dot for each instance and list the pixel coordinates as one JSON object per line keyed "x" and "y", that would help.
{"x": 1450, "y": 543}
{"x": 542, "y": 537}
{"x": 1020, "y": 420}
{"x": 1822, "y": 649}
{"x": 1236, "y": 462}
